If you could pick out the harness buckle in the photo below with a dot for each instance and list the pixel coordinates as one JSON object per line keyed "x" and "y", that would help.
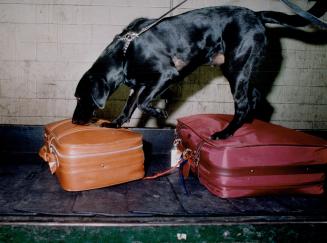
{"x": 128, "y": 38}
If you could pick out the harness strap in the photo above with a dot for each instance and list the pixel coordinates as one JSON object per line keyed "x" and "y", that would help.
{"x": 131, "y": 35}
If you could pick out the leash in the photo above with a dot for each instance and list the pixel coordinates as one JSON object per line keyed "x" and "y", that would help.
{"x": 187, "y": 158}
{"x": 131, "y": 35}
{"x": 304, "y": 14}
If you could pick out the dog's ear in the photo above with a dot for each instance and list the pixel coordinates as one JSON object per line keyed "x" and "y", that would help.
{"x": 100, "y": 91}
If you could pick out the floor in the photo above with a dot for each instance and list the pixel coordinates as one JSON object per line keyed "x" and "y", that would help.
{"x": 28, "y": 191}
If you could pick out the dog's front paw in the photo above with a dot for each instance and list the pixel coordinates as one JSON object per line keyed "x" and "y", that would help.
{"x": 220, "y": 135}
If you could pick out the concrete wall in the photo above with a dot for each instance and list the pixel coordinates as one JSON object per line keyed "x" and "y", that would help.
{"x": 47, "y": 45}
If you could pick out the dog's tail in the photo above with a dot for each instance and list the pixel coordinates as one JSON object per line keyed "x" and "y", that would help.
{"x": 306, "y": 18}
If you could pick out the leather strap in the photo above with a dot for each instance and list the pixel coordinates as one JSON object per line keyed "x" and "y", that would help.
{"x": 186, "y": 157}
{"x": 166, "y": 172}
{"x": 304, "y": 14}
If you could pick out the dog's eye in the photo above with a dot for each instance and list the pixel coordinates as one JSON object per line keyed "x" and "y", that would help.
{"x": 78, "y": 99}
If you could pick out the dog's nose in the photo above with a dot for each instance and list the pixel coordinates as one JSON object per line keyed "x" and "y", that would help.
{"x": 79, "y": 120}
{"x": 75, "y": 121}
{"x": 82, "y": 114}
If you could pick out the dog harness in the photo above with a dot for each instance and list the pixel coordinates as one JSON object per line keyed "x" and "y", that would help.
{"x": 131, "y": 35}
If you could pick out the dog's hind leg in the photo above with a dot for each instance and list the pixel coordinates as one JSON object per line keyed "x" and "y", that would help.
{"x": 242, "y": 109}
{"x": 245, "y": 97}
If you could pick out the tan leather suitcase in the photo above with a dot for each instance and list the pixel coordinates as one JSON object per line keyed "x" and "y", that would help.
{"x": 89, "y": 157}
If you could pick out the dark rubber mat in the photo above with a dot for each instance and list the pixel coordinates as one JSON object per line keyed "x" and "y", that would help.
{"x": 110, "y": 201}
{"x": 30, "y": 189}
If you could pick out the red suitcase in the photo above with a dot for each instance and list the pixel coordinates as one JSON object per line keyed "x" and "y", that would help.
{"x": 260, "y": 159}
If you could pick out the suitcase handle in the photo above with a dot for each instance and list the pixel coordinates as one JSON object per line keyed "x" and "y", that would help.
{"x": 50, "y": 156}
{"x": 53, "y": 161}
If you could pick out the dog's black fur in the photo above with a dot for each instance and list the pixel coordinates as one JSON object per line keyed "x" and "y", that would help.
{"x": 230, "y": 37}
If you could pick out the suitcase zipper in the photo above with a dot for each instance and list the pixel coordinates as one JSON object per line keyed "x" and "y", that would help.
{"x": 211, "y": 142}
{"x": 90, "y": 155}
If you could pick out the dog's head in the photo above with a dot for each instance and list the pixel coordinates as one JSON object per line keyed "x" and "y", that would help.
{"x": 91, "y": 93}
{"x": 99, "y": 82}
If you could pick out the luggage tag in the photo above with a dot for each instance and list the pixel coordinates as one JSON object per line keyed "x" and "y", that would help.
{"x": 175, "y": 153}
{"x": 178, "y": 159}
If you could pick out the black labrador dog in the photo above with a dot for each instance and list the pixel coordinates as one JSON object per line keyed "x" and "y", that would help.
{"x": 230, "y": 37}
